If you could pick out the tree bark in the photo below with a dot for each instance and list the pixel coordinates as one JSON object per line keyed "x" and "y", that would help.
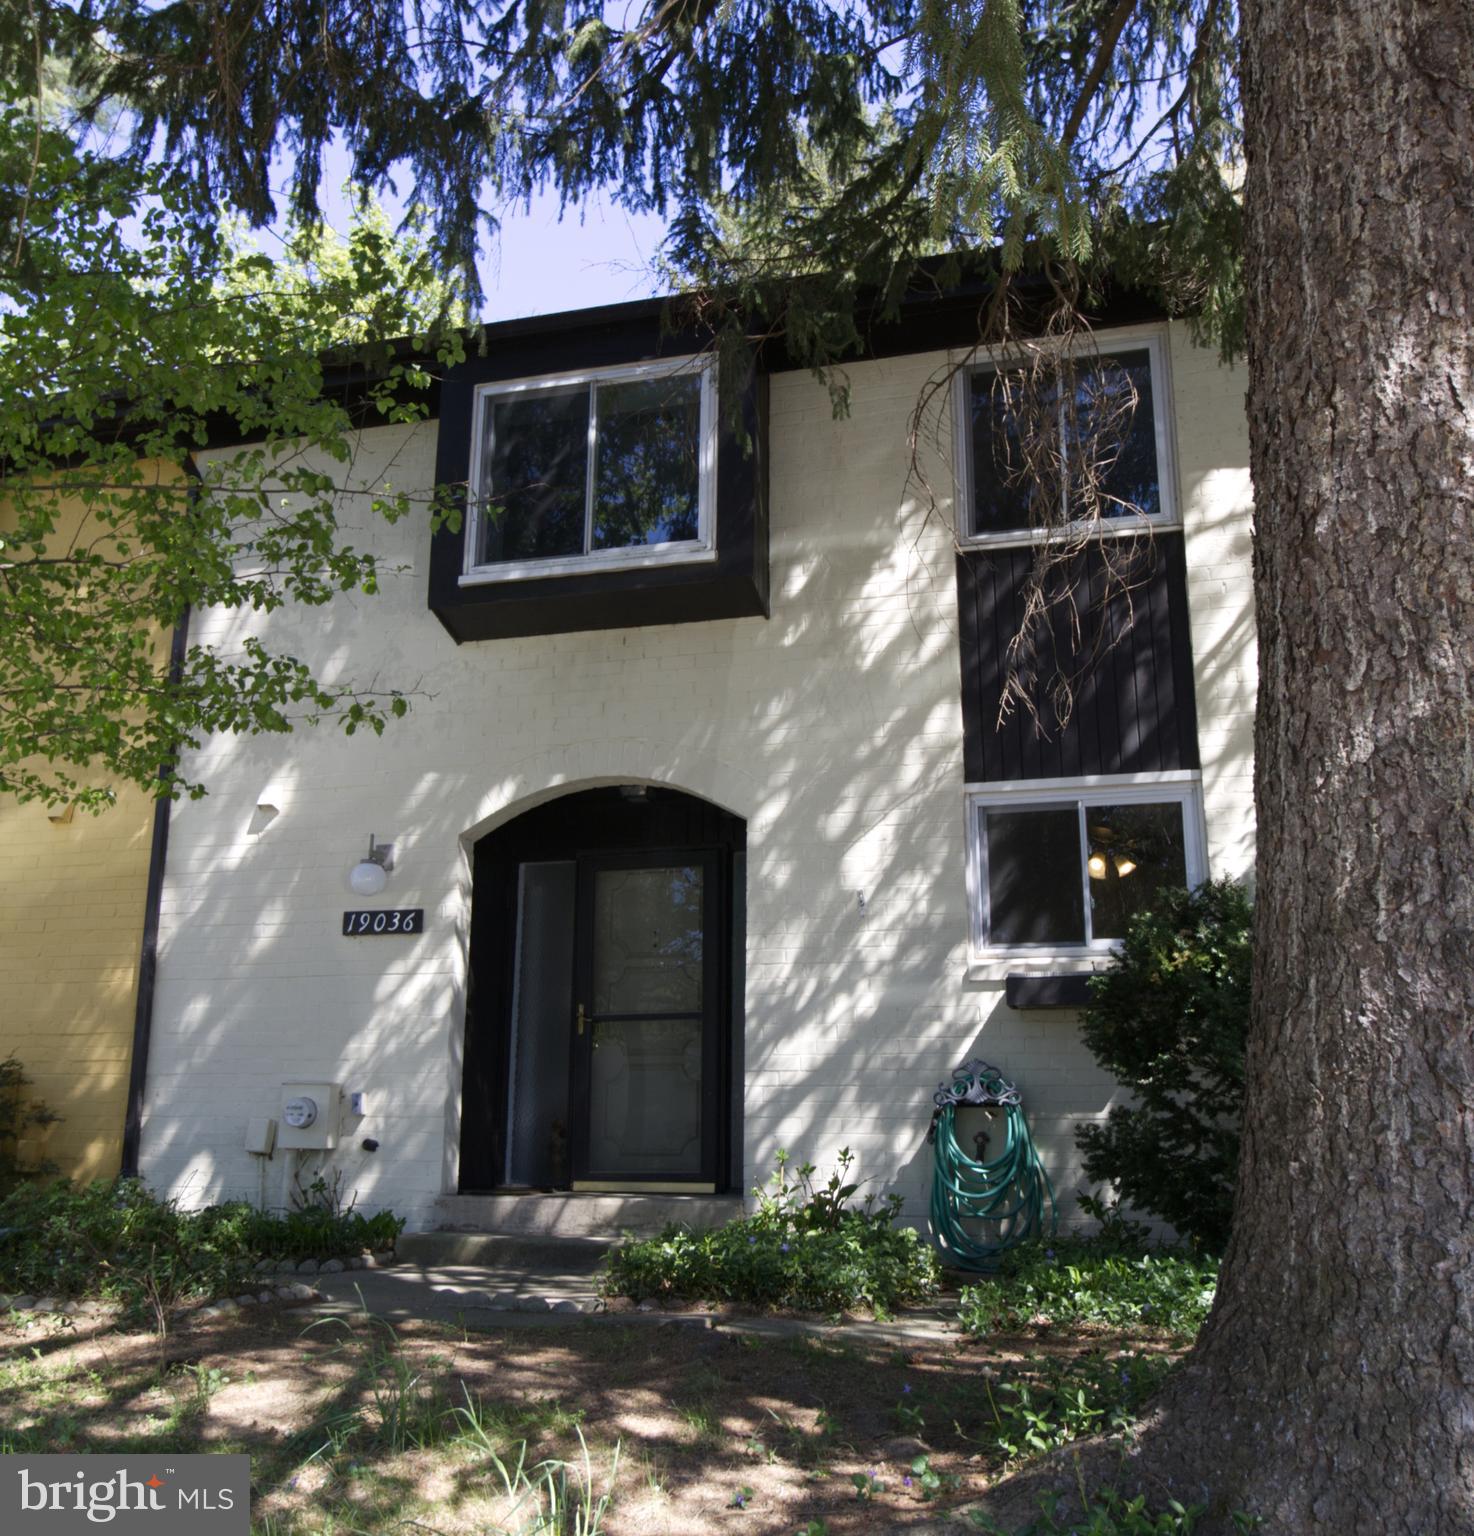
{"x": 1332, "y": 1388}
{"x": 1340, "y": 1356}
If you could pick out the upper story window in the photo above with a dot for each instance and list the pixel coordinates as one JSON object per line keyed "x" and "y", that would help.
{"x": 1063, "y": 866}
{"x": 1045, "y": 447}
{"x": 606, "y": 469}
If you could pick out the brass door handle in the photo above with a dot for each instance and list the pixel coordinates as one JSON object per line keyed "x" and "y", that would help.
{"x": 580, "y": 1018}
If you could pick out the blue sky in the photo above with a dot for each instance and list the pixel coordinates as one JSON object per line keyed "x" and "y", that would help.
{"x": 538, "y": 264}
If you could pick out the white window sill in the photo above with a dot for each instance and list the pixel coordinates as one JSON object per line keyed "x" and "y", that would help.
{"x": 1105, "y": 528}
{"x": 585, "y": 565}
{"x": 996, "y": 966}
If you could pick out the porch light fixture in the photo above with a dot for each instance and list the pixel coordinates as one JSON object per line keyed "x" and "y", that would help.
{"x": 1096, "y": 864}
{"x": 371, "y": 874}
{"x": 1124, "y": 866}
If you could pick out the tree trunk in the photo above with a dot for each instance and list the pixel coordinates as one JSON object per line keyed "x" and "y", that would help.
{"x": 1332, "y": 1389}
{"x": 1340, "y": 1357}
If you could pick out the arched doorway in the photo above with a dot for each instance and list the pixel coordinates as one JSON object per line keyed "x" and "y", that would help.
{"x": 604, "y": 1011}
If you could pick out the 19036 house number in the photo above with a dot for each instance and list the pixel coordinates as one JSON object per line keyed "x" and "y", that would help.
{"x": 358, "y": 925}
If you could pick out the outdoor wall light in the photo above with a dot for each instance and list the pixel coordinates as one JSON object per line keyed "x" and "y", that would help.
{"x": 1096, "y": 864}
{"x": 371, "y": 874}
{"x": 1124, "y": 866}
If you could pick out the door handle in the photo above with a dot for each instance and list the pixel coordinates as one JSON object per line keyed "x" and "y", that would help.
{"x": 579, "y": 1017}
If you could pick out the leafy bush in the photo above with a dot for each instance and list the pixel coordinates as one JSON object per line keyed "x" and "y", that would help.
{"x": 316, "y": 1232}
{"x": 320, "y": 1225}
{"x": 1108, "y": 1513}
{"x": 1167, "y": 1018}
{"x": 19, "y": 1113}
{"x": 1046, "y": 1403}
{"x": 803, "y": 1247}
{"x": 120, "y": 1243}
{"x": 1083, "y": 1281}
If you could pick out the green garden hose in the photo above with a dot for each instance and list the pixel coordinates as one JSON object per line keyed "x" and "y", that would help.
{"x": 980, "y": 1209}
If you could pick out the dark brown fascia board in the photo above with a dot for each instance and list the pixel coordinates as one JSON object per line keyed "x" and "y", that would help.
{"x": 930, "y": 318}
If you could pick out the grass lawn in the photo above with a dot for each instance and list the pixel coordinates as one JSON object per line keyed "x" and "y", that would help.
{"x": 359, "y": 1428}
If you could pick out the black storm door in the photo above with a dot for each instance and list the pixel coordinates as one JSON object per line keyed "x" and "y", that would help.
{"x": 646, "y": 1060}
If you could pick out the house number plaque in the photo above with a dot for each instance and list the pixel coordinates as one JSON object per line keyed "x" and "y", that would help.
{"x": 374, "y": 925}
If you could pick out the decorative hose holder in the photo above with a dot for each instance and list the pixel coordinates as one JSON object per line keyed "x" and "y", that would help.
{"x": 982, "y": 1207}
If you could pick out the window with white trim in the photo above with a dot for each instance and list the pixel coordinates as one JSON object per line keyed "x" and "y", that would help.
{"x": 1060, "y": 866}
{"x": 605, "y": 469}
{"x": 1108, "y": 422}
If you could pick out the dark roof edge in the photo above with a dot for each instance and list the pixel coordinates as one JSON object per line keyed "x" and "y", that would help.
{"x": 931, "y": 317}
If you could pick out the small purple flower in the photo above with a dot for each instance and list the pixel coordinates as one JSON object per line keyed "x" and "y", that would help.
{"x": 1049, "y": 1253}
{"x": 905, "y": 1386}
{"x": 751, "y": 1241}
{"x": 906, "y": 1482}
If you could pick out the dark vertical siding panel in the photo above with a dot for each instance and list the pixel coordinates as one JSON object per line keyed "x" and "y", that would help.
{"x": 1132, "y": 673}
{"x": 1166, "y": 719}
{"x": 1002, "y": 619}
{"x": 1103, "y": 661}
{"x": 1046, "y": 728}
{"x": 976, "y": 655}
{"x": 1184, "y": 692}
{"x": 1140, "y": 739}
{"x": 993, "y": 621}
{"x": 1026, "y": 732}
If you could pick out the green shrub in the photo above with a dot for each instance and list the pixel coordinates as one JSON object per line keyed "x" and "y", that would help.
{"x": 20, "y": 1113}
{"x": 803, "y": 1247}
{"x": 1167, "y": 1018}
{"x": 1042, "y": 1404}
{"x": 1109, "y": 1513}
{"x": 1083, "y": 1281}
{"x": 118, "y": 1242}
{"x": 318, "y": 1233}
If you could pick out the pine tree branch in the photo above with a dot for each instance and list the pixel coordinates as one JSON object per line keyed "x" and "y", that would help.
{"x": 1104, "y": 54}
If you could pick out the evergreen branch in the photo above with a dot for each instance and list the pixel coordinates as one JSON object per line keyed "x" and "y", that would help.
{"x": 1110, "y": 37}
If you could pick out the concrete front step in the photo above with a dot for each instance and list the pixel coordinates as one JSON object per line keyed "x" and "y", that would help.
{"x": 605, "y": 1216}
{"x": 514, "y": 1253}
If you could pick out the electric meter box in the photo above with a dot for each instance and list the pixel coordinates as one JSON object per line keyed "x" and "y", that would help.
{"x": 310, "y": 1112}
{"x": 261, "y": 1136}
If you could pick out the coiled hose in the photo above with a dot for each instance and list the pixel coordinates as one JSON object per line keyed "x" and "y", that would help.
{"x": 1008, "y": 1197}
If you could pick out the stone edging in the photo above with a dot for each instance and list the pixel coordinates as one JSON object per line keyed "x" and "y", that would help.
{"x": 277, "y": 1286}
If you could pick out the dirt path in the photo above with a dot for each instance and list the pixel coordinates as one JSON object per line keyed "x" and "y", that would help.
{"x": 354, "y": 1425}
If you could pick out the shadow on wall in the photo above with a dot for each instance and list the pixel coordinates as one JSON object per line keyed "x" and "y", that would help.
{"x": 833, "y": 729}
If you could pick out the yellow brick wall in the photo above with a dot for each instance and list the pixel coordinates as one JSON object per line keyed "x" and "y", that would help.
{"x": 71, "y": 926}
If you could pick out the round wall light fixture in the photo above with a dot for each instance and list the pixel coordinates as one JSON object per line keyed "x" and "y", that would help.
{"x": 371, "y": 874}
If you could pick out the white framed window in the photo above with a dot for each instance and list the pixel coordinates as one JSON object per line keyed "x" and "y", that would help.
{"x": 604, "y": 469}
{"x": 1057, "y": 867}
{"x": 998, "y": 500}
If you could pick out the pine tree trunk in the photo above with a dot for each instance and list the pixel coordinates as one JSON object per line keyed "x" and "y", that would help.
{"x": 1340, "y": 1359}
{"x": 1332, "y": 1389}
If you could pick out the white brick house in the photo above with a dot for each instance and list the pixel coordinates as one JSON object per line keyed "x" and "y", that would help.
{"x": 825, "y": 939}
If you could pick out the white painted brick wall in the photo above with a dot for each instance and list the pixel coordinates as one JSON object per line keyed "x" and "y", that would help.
{"x": 834, "y": 728}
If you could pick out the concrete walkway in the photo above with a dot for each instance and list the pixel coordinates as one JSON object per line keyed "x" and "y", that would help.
{"x": 550, "y": 1282}
{"x": 462, "y": 1275}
